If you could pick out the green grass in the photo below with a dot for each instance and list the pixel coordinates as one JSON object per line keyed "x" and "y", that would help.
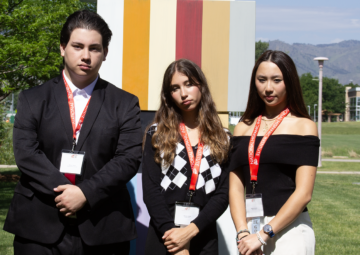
{"x": 9, "y": 170}
{"x": 6, "y": 239}
{"x": 340, "y": 128}
{"x": 334, "y": 212}
{"x": 340, "y": 145}
{"x": 339, "y": 166}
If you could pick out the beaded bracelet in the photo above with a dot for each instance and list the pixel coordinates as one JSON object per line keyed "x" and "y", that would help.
{"x": 260, "y": 239}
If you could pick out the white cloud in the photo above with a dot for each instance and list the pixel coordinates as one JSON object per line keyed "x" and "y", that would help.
{"x": 305, "y": 19}
{"x": 337, "y": 40}
{"x": 356, "y": 22}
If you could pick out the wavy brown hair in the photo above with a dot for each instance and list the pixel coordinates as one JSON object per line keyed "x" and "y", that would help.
{"x": 295, "y": 101}
{"x": 168, "y": 117}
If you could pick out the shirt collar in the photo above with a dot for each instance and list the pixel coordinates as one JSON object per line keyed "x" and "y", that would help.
{"x": 88, "y": 89}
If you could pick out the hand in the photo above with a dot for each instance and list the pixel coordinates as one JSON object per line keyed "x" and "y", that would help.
{"x": 71, "y": 200}
{"x": 176, "y": 239}
{"x": 242, "y": 235}
{"x": 250, "y": 245}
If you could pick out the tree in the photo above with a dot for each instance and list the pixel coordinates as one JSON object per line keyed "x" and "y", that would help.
{"x": 352, "y": 85}
{"x": 29, "y": 41}
{"x": 260, "y": 48}
{"x": 333, "y": 93}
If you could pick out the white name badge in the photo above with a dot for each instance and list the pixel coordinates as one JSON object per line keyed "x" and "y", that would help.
{"x": 254, "y": 206}
{"x": 71, "y": 162}
{"x": 185, "y": 213}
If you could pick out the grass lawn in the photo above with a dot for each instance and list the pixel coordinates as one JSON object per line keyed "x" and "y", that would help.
{"x": 341, "y": 128}
{"x": 334, "y": 212}
{"x": 340, "y": 145}
{"x": 339, "y": 166}
{"x": 6, "y": 239}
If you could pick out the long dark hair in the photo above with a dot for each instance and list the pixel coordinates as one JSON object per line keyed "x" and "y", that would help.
{"x": 169, "y": 116}
{"x": 295, "y": 101}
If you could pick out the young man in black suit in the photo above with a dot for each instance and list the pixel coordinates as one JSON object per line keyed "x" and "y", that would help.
{"x": 77, "y": 142}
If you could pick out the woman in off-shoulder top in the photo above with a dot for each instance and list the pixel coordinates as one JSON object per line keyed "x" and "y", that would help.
{"x": 275, "y": 152}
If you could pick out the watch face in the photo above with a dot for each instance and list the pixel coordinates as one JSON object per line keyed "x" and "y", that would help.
{"x": 267, "y": 228}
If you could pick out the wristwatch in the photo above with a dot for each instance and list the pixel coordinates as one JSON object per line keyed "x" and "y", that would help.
{"x": 268, "y": 230}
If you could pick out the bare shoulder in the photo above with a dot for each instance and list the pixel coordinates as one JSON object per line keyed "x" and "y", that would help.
{"x": 305, "y": 126}
{"x": 241, "y": 129}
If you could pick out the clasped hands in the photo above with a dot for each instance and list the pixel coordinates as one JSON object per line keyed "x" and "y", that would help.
{"x": 71, "y": 200}
{"x": 250, "y": 245}
{"x": 177, "y": 240}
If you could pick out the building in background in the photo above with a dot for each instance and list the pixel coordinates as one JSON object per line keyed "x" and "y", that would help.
{"x": 353, "y": 100}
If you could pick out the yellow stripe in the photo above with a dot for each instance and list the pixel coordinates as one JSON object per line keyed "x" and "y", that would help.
{"x": 136, "y": 49}
{"x": 215, "y": 49}
{"x": 162, "y": 46}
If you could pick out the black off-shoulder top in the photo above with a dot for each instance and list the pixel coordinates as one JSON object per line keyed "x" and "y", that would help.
{"x": 279, "y": 160}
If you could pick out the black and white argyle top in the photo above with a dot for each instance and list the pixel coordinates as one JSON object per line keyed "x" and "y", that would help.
{"x": 163, "y": 187}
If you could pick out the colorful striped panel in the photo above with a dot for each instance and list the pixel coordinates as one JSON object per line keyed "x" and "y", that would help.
{"x": 241, "y": 53}
{"x": 135, "y": 77}
{"x": 215, "y": 49}
{"x": 149, "y": 34}
{"x": 189, "y": 30}
{"x": 162, "y": 46}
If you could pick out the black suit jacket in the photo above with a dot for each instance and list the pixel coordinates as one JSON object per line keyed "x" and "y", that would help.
{"x": 111, "y": 138}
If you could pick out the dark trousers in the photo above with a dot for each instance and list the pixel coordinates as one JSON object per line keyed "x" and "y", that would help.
{"x": 69, "y": 244}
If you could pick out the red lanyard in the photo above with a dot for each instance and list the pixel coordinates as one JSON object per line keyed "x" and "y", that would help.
{"x": 72, "y": 110}
{"x": 254, "y": 162}
{"x": 194, "y": 162}
{"x": 71, "y": 177}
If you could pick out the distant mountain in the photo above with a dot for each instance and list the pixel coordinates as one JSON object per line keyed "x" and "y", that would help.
{"x": 343, "y": 64}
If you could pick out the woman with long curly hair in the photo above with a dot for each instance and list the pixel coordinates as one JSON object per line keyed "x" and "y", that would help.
{"x": 185, "y": 187}
{"x": 274, "y": 156}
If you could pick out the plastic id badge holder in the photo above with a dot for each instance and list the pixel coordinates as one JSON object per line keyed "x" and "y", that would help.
{"x": 185, "y": 213}
{"x": 72, "y": 162}
{"x": 254, "y": 211}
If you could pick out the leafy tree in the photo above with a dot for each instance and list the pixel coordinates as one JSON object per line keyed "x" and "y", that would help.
{"x": 333, "y": 93}
{"x": 352, "y": 85}
{"x": 29, "y": 41}
{"x": 260, "y": 48}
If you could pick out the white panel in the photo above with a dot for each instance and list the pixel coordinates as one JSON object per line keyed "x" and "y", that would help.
{"x": 242, "y": 53}
{"x": 162, "y": 46}
{"x": 112, "y": 11}
{"x": 226, "y": 233}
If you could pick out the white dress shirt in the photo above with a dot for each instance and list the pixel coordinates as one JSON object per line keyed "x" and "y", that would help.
{"x": 81, "y": 98}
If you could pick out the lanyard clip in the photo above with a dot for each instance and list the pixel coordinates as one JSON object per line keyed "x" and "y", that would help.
{"x": 74, "y": 144}
{"x": 253, "y": 186}
{"x": 190, "y": 194}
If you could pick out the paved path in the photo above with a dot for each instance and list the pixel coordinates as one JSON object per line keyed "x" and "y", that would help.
{"x": 334, "y": 172}
{"x": 341, "y": 160}
{"x": 8, "y": 166}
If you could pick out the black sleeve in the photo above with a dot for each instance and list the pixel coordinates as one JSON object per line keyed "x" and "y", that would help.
{"x": 217, "y": 204}
{"x": 125, "y": 163}
{"x": 153, "y": 197}
{"x": 31, "y": 161}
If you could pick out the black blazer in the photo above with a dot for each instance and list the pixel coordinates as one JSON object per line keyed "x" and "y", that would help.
{"x": 111, "y": 138}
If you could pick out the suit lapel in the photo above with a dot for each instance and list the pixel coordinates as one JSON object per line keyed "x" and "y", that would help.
{"x": 62, "y": 103}
{"x": 96, "y": 101}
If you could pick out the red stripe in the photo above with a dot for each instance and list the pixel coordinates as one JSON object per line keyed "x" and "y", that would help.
{"x": 189, "y": 30}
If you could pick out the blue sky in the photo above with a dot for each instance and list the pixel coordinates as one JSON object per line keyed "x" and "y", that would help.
{"x": 308, "y": 21}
